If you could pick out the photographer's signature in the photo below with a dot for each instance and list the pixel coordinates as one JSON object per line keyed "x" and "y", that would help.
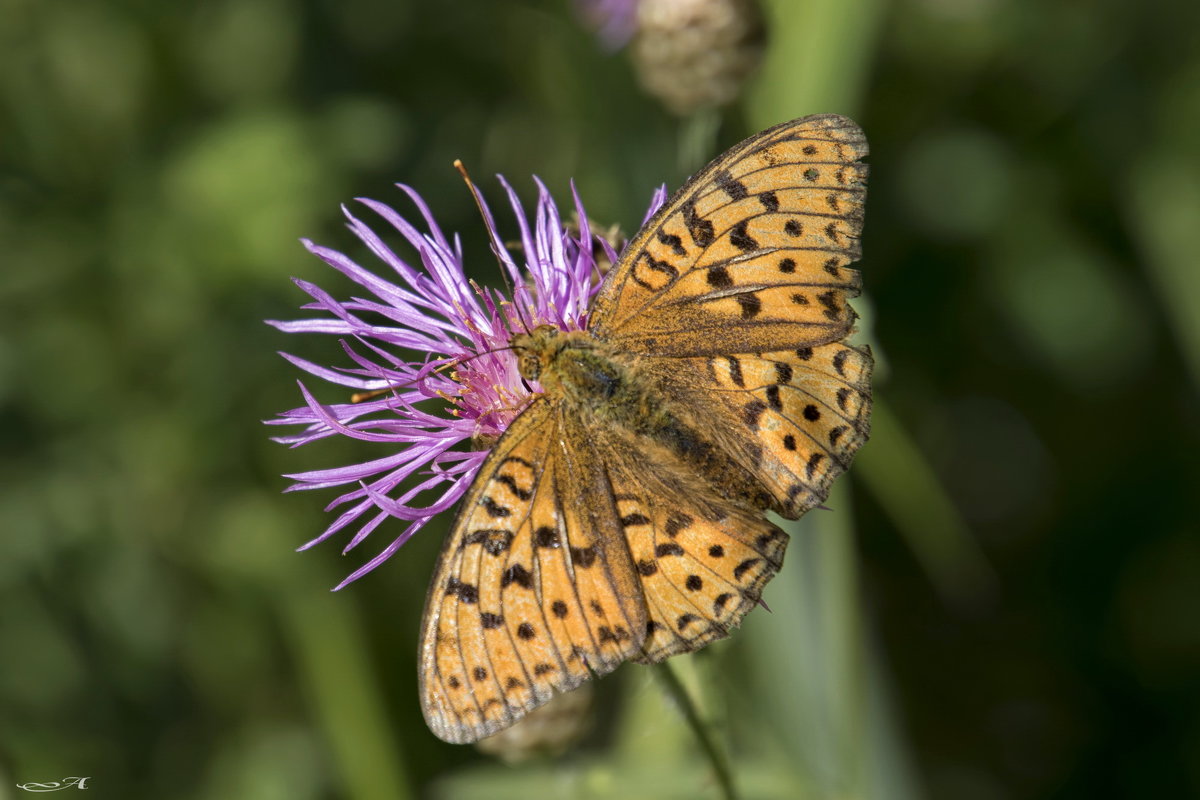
{"x": 54, "y": 786}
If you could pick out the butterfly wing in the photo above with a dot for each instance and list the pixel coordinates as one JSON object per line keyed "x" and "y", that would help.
{"x": 750, "y": 255}
{"x": 534, "y": 590}
{"x": 792, "y": 418}
{"x": 702, "y": 562}
{"x": 735, "y": 298}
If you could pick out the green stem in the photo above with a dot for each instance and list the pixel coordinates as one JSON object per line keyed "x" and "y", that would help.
{"x": 904, "y": 483}
{"x": 679, "y": 694}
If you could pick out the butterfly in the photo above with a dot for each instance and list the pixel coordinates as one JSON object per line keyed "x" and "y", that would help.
{"x": 622, "y": 515}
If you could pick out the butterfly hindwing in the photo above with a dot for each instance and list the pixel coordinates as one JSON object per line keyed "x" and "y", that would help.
{"x": 702, "y": 562}
{"x": 803, "y": 413}
{"x": 751, "y": 254}
{"x": 527, "y": 601}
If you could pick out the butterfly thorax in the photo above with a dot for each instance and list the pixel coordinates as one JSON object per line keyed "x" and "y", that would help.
{"x": 577, "y": 368}
{"x": 608, "y": 387}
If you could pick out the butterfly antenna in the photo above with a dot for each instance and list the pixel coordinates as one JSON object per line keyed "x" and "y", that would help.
{"x": 362, "y": 397}
{"x": 495, "y": 236}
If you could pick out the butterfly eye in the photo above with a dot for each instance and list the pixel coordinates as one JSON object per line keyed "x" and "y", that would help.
{"x": 530, "y": 367}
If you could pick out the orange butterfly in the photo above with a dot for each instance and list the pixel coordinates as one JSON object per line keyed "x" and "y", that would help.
{"x": 621, "y": 516}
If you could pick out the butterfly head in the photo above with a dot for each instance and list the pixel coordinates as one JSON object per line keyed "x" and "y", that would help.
{"x": 536, "y": 349}
{"x": 572, "y": 365}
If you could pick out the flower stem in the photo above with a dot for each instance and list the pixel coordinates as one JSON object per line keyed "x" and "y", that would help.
{"x": 702, "y": 730}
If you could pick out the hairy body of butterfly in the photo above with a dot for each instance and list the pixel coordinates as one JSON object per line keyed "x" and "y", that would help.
{"x": 637, "y": 407}
{"x": 622, "y": 514}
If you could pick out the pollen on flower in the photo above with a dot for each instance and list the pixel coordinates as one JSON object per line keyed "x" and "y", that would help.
{"x": 425, "y": 458}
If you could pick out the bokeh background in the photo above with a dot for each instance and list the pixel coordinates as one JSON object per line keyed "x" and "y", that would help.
{"x": 1003, "y": 602}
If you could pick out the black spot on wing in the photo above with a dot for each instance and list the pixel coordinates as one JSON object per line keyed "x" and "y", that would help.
{"x": 676, "y": 522}
{"x": 494, "y": 540}
{"x": 718, "y": 278}
{"x": 701, "y": 230}
{"x": 813, "y": 462}
{"x": 730, "y": 185}
{"x": 516, "y": 574}
{"x": 740, "y": 237}
{"x": 743, "y": 567}
{"x": 465, "y": 592}
{"x": 829, "y": 300}
{"x": 494, "y": 509}
{"x": 751, "y": 305}
{"x": 545, "y": 536}
{"x": 518, "y": 460}
{"x": 661, "y": 266}
{"x": 752, "y": 412}
{"x": 839, "y": 362}
{"x": 672, "y": 241}
{"x": 583, "y": 557}
{"x": 735, "y": 372}
{"x": 507, "y": 480}
{"x": 773, "y": 399}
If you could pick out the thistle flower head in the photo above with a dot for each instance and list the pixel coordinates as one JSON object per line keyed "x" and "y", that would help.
{"x": 690, "y": 54}
{"x": 462, "y": 385}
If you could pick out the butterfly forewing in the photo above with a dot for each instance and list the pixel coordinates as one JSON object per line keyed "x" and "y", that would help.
{"x": 751, "y": 254}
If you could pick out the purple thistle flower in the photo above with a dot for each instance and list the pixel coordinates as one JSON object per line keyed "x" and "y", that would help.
{"x": 614, "y": 21}
{"x": 432, "y": 309}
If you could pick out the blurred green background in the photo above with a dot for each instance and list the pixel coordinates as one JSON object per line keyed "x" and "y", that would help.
{"x": 1004, "y": 601}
